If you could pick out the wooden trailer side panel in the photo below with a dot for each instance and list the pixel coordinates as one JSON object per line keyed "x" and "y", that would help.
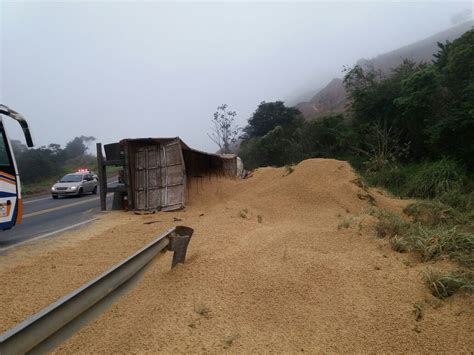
{"x": 148, "y": 170}
{"x": 159, "y": 177}
{"x": 174, "y": 177}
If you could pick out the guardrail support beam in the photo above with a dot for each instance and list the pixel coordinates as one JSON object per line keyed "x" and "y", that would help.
{"x": 50, "y": 321}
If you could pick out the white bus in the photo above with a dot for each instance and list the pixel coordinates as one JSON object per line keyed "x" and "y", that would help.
{"x": 11, "y": 205}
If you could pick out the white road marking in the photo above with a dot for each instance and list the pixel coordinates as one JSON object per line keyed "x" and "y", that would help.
{"x": 60, "y": 207}
{"x": 37, "y": 213}
{"x": 49, "y": 234}
{"x": 25, "y": 202}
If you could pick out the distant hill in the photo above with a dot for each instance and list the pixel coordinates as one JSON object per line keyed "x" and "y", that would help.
{"x": 332, "y": 98}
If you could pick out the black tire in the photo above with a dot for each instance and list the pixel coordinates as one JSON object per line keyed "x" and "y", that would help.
{"x": 94, "y": 192}
{"x": 80, "y": 193}
{"x": 55, "y": 196}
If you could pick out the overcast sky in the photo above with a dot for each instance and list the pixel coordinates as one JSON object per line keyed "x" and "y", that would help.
{"x": 139, "y": 69}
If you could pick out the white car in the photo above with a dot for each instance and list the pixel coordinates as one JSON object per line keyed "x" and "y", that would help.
{"x": 75, "y": 184}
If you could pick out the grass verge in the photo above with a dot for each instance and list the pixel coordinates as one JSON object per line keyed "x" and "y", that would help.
{"x": 443, "y": 285}
{"x": 436, "y": 231}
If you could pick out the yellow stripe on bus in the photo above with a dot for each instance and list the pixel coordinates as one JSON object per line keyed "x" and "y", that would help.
{"x": 19, "y": 214}
{"x": 7, "y": 175}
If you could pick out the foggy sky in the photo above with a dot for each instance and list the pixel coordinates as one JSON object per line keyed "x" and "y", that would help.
{"x": 115, "y": 70}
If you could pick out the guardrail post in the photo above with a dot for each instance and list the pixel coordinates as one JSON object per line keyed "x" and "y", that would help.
{"x": 179, "y": 241}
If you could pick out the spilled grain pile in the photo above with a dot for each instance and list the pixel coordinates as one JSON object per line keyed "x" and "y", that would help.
{"x": 268, "y": 270}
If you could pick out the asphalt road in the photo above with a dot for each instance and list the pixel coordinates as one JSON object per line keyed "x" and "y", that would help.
{"x": 44, "y": 217}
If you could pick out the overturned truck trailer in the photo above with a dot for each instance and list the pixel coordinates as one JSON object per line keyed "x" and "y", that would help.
{"x": 156, "y": 171}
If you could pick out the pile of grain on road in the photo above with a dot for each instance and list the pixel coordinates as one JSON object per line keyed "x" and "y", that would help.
{"x": 268, "y": 269}
{"x": 37, "y": 274}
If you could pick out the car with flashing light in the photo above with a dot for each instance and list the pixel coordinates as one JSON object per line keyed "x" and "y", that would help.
{"x": 85, "y": 170}
{"x": 75, "y": 184}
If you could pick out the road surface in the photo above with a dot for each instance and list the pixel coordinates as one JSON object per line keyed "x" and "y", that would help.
{"x": 44, "y": 216}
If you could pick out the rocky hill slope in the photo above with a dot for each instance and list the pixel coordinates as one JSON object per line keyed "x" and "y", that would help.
{"x": 332, "y": 98}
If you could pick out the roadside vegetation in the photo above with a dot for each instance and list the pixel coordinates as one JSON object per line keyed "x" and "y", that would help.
{"x": 41, "y": 167}
{"x": 411, "y": 133}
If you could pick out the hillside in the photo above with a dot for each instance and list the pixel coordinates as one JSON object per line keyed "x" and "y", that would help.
{"x": 332, "y": 98}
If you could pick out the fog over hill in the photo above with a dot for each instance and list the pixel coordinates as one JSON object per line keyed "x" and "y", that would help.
{"x": 332, "y": 98}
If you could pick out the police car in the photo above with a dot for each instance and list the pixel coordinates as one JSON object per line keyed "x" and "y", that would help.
{"x": 75, "y": 184}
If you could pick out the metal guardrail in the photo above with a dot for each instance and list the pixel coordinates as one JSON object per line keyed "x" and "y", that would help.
{"x": 37, "y": 329}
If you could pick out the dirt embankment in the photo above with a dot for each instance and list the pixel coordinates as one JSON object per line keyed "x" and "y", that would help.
{"x": 268, "y": 270}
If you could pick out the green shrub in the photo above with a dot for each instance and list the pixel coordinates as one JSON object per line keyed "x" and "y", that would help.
{"x": 443, "y": 285}
{"x": 398, "y": 244}
{"x": 388, "y": 224}
{"x": 434, "y": 179}
{"x": 432, "y": 213}
{"x": 435, "y": 233}
{"x": 392, "y": 178}
{"x": 430, "y": 243}
{"x": 435, "y": 213}
{"x": 463, "y": 201}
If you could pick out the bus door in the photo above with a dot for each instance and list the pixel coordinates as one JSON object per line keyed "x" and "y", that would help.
{"x": 11, "y": 206}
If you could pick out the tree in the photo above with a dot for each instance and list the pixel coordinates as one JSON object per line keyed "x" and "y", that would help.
{"x": 224, "y": 130}
{"x": 441, "y": 56}
{"x": 270, "y": 115}
{"x": 272, "y": 136}
{"x": 372, "y": 94}
{"x": 453, "y": 132}
{"x": 328, "y": 136}
{"x": 49, "y": 161}
{"x": 429, "y": 106}
{"x": 376, "y": 102}
{"x": 77, "y": 147}
{"x": 419, "y": 104}
{"x": 416, "y": 113}
{"x": 382, "y": 149}
{"x": 37, "y": 164}
{"x": 276, "y": 148}
{"x": 18, "y": 147}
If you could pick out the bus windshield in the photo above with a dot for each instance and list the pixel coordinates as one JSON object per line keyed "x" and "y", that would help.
{"x": 4, "y": 157}
{"x": 71, "y": 178}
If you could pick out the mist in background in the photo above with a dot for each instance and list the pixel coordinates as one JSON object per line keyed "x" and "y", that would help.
{"x": 118, "y": 70}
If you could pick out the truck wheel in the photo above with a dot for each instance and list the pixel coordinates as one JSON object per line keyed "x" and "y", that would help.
{"x": 94, "y": 191}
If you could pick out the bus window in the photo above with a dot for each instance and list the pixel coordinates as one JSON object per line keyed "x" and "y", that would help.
{"x": 4, "y": 160}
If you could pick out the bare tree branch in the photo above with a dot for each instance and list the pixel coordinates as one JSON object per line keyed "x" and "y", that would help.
{"x": 224, "y": 131}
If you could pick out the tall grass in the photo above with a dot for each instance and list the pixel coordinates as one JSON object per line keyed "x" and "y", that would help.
{"x": 422, "y": 180}
{"x": 443, "y": 285}
{"x": 433, "y": 213}
{"x": 430, "y": 243}
{"x": 388, "y": 224}
{"x": 436, "y": 231}
{"x": 435, "y": 178}
{"x": 442, "y": 220}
